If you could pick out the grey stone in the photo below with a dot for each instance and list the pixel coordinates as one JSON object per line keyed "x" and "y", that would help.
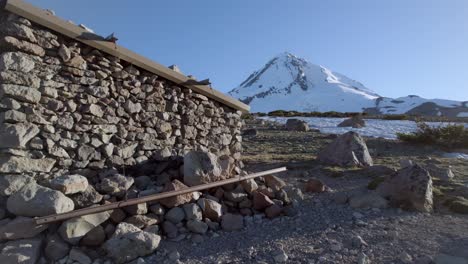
{"x": 20, "y": 227}
{"x": 16, "y": 61}
{"x": 14, "y": 164}
{"x": 142, "y": 221}
{"x": 56, "y": 248}
{"x": 116, "y": 184}
{"x": 348, "y": 149}
{"x": 35, "y": 200}
{"x": 197, "y": 226}
{"x": 17, "y": 135}
{"x": 192, "y": 212}
{"x": 79, "y": 256}
{"x": 95, "y": 237}
{"x": 129, "y": 242}
{"x": 132, "y": 107}
{"x": 19, "y": 78}
{"x": 410, "y": 187}
{"x": 24, "y": 251}
{"x": 444, "y": 174}
{"x": 355, "y": 122}
{"x": 136, "y": 209}
{"x": 70, "y": 184}
{"x": 175, "y": 215}
{"x": 297, "y": 125}
{"x": 86, "y": 198}
{"x": 201, "y": 167}
{"x": 11, "y": 183}
{"x": 211, "y": 209}
{"x": 64, "y": 53}
{"x": 74, "y": 229}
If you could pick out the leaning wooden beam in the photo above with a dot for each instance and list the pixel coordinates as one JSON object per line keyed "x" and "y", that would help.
{"x": 155, "y": 197}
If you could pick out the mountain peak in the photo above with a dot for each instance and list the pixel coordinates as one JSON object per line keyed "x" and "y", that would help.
{"x": 288, "y": 82}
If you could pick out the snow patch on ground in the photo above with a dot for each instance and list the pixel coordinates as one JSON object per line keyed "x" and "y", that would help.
{"x": 462, "y": 114}
{"x": 374, "y": 127}
{"x": 455, "y": 155}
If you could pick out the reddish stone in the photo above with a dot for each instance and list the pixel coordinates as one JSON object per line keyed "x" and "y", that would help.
{"x": 175, "y": 200}
{"x": 273, "y": 211}
{"x": 314, "y": 185}
{"x": 261, "y": 201}
{"x": 274, "y": 182}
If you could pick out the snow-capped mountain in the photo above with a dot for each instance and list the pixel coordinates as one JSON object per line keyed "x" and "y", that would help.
{"x": 287, "y": 82}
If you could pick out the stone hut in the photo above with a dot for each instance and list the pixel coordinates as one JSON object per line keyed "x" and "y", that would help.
{"x": 73, "y": 102}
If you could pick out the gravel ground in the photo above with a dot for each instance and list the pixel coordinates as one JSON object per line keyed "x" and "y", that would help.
{"x": 325, "y": 230}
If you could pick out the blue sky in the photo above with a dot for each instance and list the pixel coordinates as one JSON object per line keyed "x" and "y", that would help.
{"x": 396, "y": 47}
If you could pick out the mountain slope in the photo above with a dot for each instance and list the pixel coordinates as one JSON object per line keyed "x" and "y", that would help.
{"x": 287, "y": 82}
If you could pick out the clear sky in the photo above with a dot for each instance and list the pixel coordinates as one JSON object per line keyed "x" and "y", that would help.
{"x": 395, "y": 47}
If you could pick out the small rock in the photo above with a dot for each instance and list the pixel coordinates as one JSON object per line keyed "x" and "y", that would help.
{"x": 274, "y": 182}
{"x": 175, "y": 215}
{"x": 79, "y": 256}
{"x": 70, "y": 184}
{"x": 197, "y": 226}
{"x": 314, "y": 185}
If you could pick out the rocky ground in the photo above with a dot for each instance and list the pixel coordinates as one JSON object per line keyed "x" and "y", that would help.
{"x": 326, "y": 229}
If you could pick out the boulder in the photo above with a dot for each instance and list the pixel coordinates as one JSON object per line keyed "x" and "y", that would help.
{"x": 70, "y": 184}
{"x": 116, "y": 184}
{"x": 348, "y": 149}
{"x": 410, "y": 187}
{"x": 274, "y": 182}
{"x": 35, "y": 200}
{"x": 95, "y": 237}
{"x": 173, "y": 201}
{"x": 175, "y": 215}
{"x": 273, "y": 211}
{"x": 314, "y": 185}
{"x": 249, "y": 185}
{"x": 24, "y": 251}
{"x": 211, "y": 209}
{"x": 192, "y": 212}
{"x": 294, "y": 124}
{"x": 355, "y": 122}
{"x": 368, "y": 200}
{"x": 197, "y": 226}
{"x": 19, "y": 228}
{"x": 261, "y": 201}
{"x": 201, "y": 167}
{"x": 11, "y": 183}
{"x": 72, "y": 230}
{"x": 56, "y": 248}
{"x": 232, "y": 222}
{"x": 129, "y": 242}
{"x": 78, "y": 256}
{"x": 86, "y": 198}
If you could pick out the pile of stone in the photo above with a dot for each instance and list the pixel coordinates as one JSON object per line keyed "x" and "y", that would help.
{"x": 127, "y": 233}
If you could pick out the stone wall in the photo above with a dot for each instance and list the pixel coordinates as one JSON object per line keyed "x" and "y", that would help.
{"x": 68, "y": 108}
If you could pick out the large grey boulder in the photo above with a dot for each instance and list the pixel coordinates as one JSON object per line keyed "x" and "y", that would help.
{"x": 410, "y": 188}
{"x": 24, "y": 251}
{"x": 11, "y": 183}
{"x": 294, "y": 124}
{"x": 348, "y": 149}
{"x": 76, "y": 228}
{"x": 70, "y": 184}
{"x": 35, "y": 200}
{"x": 201, "y": 167}
{"x": 20, "y": 227}
{"x": 129, "y": 242}
{"x": 355, "y": 122}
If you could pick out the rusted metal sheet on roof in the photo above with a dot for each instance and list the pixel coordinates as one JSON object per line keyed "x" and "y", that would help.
{"x": 48, "y": 20}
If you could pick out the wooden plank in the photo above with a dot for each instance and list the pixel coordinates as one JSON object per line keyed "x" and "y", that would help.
{"x": 63, "y": 27}
{"x": 149, "y": 198}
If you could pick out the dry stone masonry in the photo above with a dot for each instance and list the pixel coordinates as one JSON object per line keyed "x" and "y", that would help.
{"x": 79, "y": 128}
